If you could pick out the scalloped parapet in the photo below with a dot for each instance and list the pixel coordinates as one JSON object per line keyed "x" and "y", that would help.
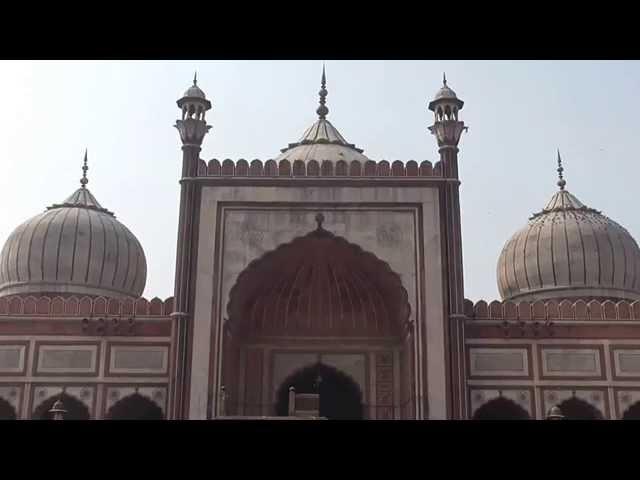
{"x": 313, "y": 168}
{"x": 595, "y": 310}
{"x": 84, "y": 306}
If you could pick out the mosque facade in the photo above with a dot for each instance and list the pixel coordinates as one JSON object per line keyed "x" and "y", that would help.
{"x": 319, "y": 284}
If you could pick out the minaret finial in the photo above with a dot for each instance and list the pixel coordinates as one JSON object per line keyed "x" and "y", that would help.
{"x": 561, "y": 180}
{"x": 195, "y": 77}
{"x": 444, "y": 78}
{"x": 84, "y": 180}
{"x": 322, "y": 109}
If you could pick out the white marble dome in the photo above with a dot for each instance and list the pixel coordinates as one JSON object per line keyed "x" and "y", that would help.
{"x": 569, "y": 250}
{"x": 76, "y": 247}
{"x": 322, "y": 141}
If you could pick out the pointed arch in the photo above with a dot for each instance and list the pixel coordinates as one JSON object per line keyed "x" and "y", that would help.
{"x": 135, "y": 407}
{"x": 575, "y": 408}
{"x": 353, "y": 292}
{"x": 76, "y": 409}
{"x": 501, "y": 408}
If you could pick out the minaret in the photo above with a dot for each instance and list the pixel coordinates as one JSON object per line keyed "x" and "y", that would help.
{"x": 192, "y": 128}
{"x": 448, "y": 129}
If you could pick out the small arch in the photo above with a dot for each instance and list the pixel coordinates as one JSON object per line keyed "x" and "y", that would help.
{"x": 580, "y": 311}
{"x": 426, "y": 169}
{"x": 85, "y": 306}
{"x": 284, "y": 168}
{"x": 30, "y": 306}
{"x": 370, "y": 168}
{"x": 624, "y": 310}
{"x": 384, "y": 170}
{"x": 633, "y": 412}
{"x": 135, "y": 407}
{"x": 355, "y": 169}
{"x": 57, "y": 306}
{"x": 228, "y": 168}
{"x": 100, "y": 306}
{"x": 575, "y": 408}
{"x": 480, "y": 309}
{"x": 495, "y": 310}
{"x": 341, "y": 168}
{"x": 15, "y": 305}
{"x": 43, "y": 306}
{"x": 595, "y": 310}
{"x": 553, "y": 310}
{"x": 242, "y": 168}
{"x": 397, "y": 169}
{"x": 7, "y": 412}
{"x": 142, "y": 306}
{"x": 213, "y": 168}
{"x": 326, "y": 169}
{"x": 76, "y": 410}
{"x": 256, "y": 169}
{"x": 313, "y": 168}
{"x": 501, "y": 408}
{"x": 155, "y": 306}
{"x": 271, "y": 168}
{"x": 298, "y": 168}
{"x": 412, "y": 168}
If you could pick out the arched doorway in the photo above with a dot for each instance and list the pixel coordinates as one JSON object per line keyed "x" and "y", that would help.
{"x": 7, "y": 412}
{"x": 575, "y": 408}
{"x": 501, "y": 408}
{"x": 135, "y": 407}
{"x": 339, "y": 395}
{"x": 318, "y": 295}
{"x": 632, "y": 413}
{"x": 76, "y": 410}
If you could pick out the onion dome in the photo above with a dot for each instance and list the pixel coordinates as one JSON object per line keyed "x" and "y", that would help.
{"x": 74, "y": 247}
{"x": 569, "y": 250}
{"x": 445, "y": 93}
{"x": 194, "y": 90}
{"x": 322, "y": 141}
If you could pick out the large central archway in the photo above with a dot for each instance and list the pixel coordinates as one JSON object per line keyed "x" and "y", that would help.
{"x": 318, "y": 295}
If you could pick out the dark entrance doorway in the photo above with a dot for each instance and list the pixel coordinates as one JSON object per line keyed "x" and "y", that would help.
{"x": 340, "y": 397}
{"x": 577, "y": 409}
{"x": 501, "y": 409}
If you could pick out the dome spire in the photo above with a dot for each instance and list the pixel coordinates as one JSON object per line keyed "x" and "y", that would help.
{"x": 322, "y": 109}
{"x": 561, "y": 181}
{"x": 84, "y": 180}
{"x": 444, "y": 79}
{"x": 195, "y": 78}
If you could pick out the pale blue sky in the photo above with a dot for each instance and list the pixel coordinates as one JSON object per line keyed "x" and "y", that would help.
{"x": 518, "y": 112}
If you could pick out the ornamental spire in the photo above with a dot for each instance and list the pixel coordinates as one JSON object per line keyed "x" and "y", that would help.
{"x": 444, "y": 79}
{"x": 322, "y": 109}
{"x": 561, "y": 181}
{"x": 84, "y": 180}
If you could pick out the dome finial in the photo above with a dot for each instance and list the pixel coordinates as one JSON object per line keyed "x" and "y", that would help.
{"x": 84, "y": 180}
{"x": 195, "y": 77}
{"x": 322, "y": 109}
{"x": 561, "y": 180}
{"x": 444, "y": 78}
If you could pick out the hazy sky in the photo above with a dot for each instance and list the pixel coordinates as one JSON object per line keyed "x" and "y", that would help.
{"x": 123, "y": 112}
